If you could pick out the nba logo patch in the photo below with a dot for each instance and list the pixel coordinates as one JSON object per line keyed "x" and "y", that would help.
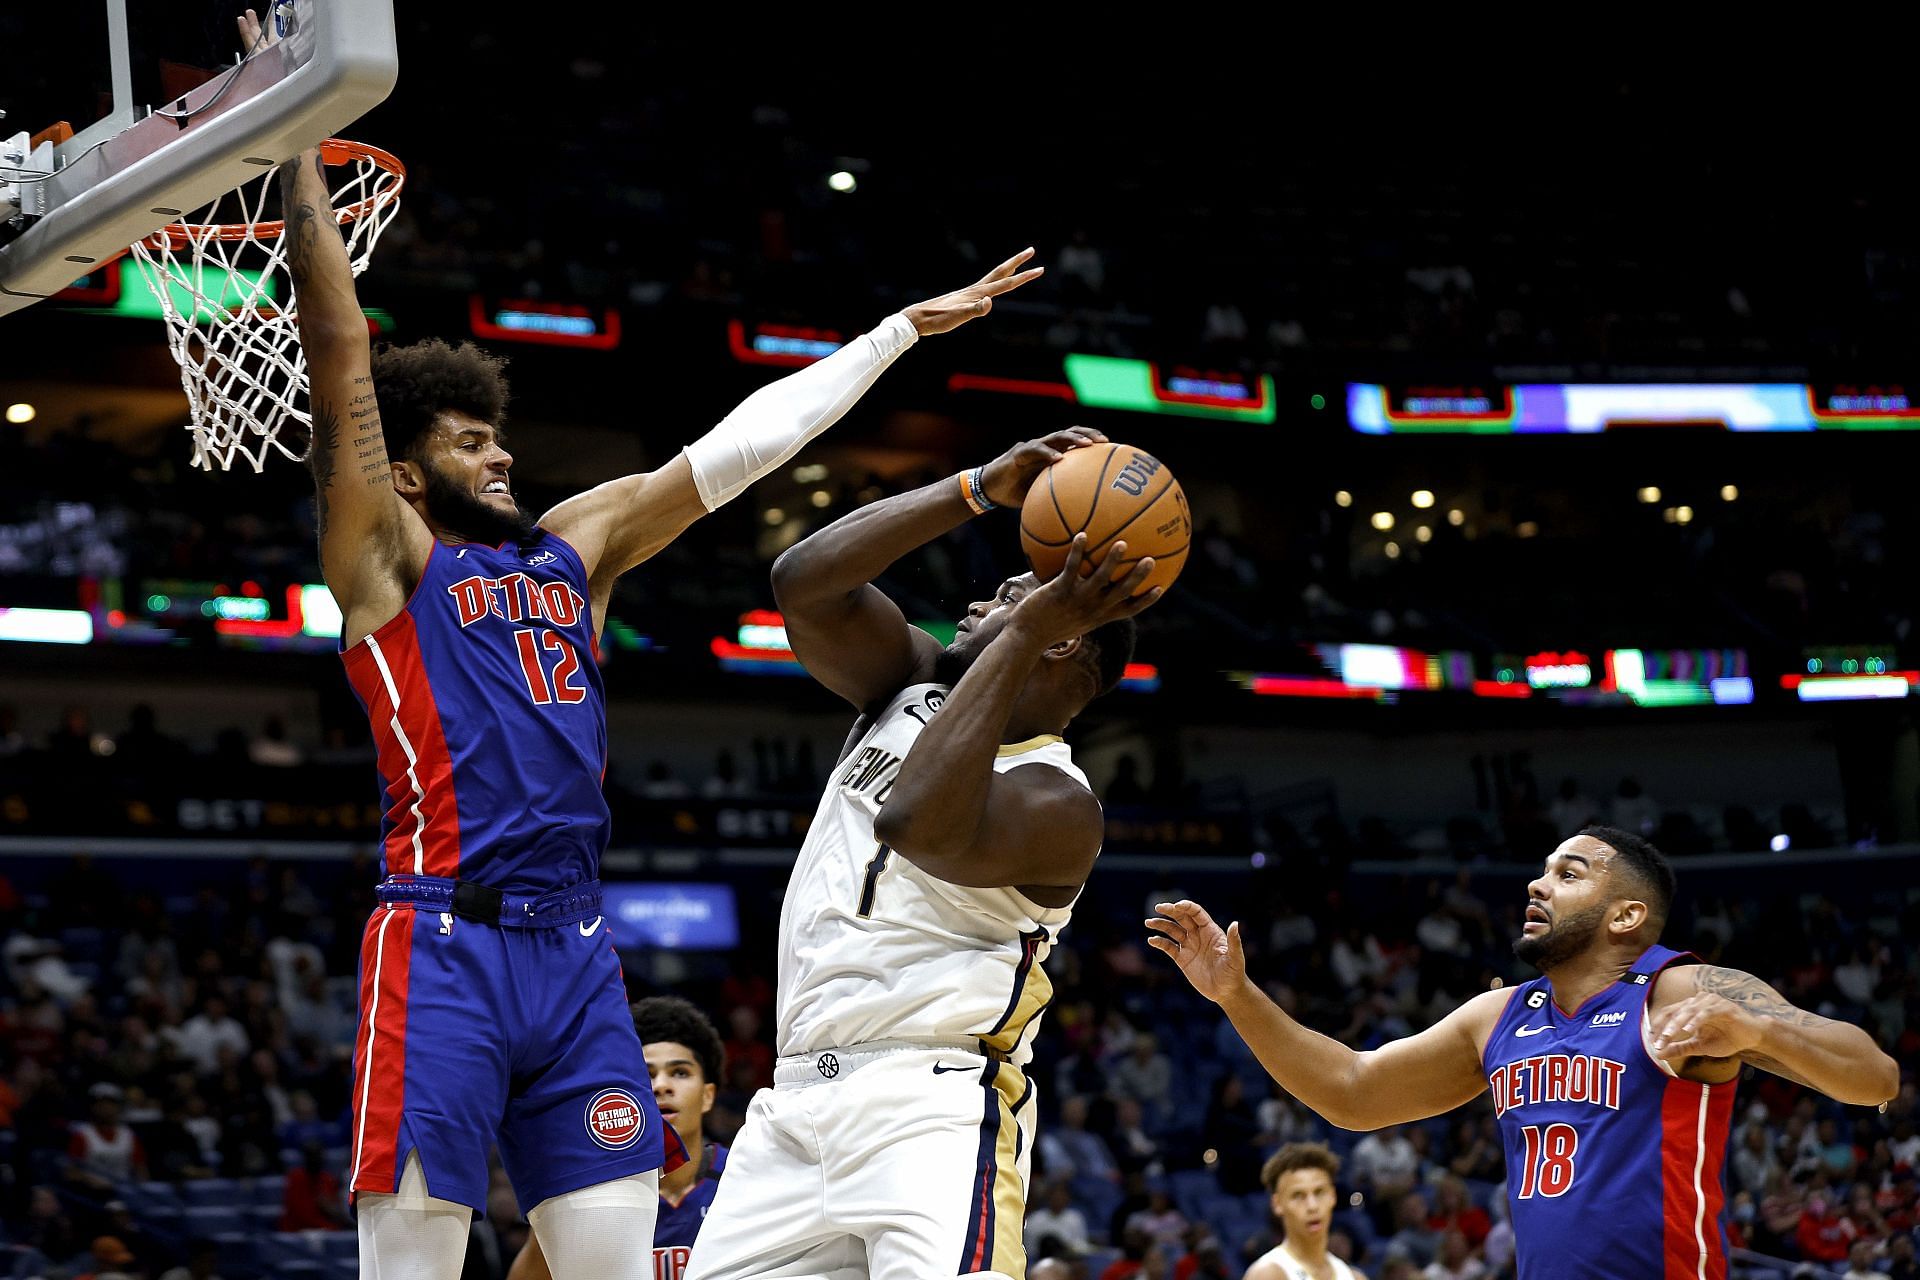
{"x": 615, "y": 1120}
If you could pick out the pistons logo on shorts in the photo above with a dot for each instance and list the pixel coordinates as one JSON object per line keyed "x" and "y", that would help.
{"x": 615, "y": 1119}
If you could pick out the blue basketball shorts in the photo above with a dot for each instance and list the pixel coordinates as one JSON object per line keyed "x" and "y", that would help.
{"x": 517, "y": 1033}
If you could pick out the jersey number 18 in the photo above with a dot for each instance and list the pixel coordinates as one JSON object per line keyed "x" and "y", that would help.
{"x": 1549, "y": 1160}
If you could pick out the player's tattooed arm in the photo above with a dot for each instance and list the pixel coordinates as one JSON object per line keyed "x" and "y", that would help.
{"x": 1727, "y": 1015}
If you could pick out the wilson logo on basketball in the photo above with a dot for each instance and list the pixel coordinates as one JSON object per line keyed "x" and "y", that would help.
{"x": 1132, "y": 479}
{"x": 615, "y": 1120}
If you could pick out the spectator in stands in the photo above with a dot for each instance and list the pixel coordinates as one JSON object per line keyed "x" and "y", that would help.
{"x": 1160, "y": 1220}
{"x": 1070, "y": 1150}
{"x": 148, "y": 1255}
{"x": 201, "y": 1257}
{"x": 74, "y": 742}
{"x": 1633, "y": 809}
{"x": 725, "y": 783}
{"x": 201, "y": 1038}
{"x": 311, "y": 1201}
{"x": 272, "y": 749}
{"x": 1901, "y": 1263}
{"x": 1134, "y": 1247}
{"x": 1232, "y": 1131}
{"x": 1146, "y": 1076}
{"x": 1385, "y": 1166}
{"x": 1134, "y": 1147}
{"x": 142, "y": 746}
{"x": 662, "y": 785}
{"x": 1205, "y": 1259}
{"x": 1056, "y": 1226}
{"x": 1456, "y": 1260}
{"x": 1824, "y": 1233}
{"x": 1753, "y": 1165}
{"x": 1571, "y": 809}
{"x": 103, "y": 1150}
{"x": 1454, "y": 1210}
{"x": 110, "y": 1259}
{"x": 48, "y": 1229}
{"x": 1411, "y": 1234}
{"x": 1860, "y": 1263}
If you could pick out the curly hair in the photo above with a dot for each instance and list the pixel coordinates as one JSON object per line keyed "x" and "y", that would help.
{"x": 415, "y": 383}
{"x": 671, "y": 1019}
{"x": 1299, "y": 1155}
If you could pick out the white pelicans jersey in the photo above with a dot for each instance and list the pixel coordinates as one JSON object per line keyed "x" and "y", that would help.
{"x": 873, "y": 948}
{"x": 1294, "y": 1269}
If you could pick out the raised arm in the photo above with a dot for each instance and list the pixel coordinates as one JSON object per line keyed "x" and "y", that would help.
{"x": 1706, "y": 1016}
{"x": 371, "y": 545}
{"x": 1409, "y": 1079}
{"x": 949, "y": 812}
{"x": 844, "y": 630}
{"x": 622, "y": 523}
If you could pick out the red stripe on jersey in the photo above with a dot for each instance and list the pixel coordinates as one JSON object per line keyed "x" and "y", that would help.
{"x": 1694, "y": 1120}
{"x": 420, "y": 780}
{"x": 380, "y": 1049}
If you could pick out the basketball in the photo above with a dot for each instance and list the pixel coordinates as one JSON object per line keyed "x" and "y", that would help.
{"x": 1107, "y": 491}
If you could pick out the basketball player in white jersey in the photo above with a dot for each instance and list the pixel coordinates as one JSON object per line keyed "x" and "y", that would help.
{"x": 1299, "y": 1178}
{"x": 941, "y": 865}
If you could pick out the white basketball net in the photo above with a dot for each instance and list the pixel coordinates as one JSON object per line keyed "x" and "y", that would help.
{"x": 224, "y": 290}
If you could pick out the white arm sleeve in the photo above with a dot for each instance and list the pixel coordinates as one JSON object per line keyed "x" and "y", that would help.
{"x": 770, "y": 425}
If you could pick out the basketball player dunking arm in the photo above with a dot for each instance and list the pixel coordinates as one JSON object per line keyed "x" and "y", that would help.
{"x": 942, "y": 863}
{"x": 492, "y": 1004}
{"x": 1613, "y": 1074}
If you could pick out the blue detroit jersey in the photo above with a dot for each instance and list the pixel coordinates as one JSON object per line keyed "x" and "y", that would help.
{"x": 677, "y": 1226}
{"x": 1614, "y": 1167}
{"x": 490, "y": 721}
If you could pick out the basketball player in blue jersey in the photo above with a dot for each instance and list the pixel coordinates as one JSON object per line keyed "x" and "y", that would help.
{"x": 940, "y": 866}
{"x": 1613, "y": 1074}
{"x": 685, "y": 1059}
{"x": 492, "y": 1006}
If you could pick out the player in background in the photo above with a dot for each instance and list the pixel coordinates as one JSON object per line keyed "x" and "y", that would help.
{"x": 492, "y": 1006}
{"x": 1613, "y": 1074}
{"x": 944, "y": 859}
{"x": 686, "y": 1060}
{"x": 1300, "y": 1183}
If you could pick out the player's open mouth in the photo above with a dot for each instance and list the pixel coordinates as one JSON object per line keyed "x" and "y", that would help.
{"x": 495, "y": 486}
{"x": 1537, "y": 918}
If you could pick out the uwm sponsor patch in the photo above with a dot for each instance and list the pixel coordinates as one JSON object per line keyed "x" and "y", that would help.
{"x": 615, "y": 1120}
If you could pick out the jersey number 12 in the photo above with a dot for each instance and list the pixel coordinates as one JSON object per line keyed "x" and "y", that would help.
{"x": 562, "y": 689}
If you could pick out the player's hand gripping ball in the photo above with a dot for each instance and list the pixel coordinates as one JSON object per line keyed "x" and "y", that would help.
{"x": 1108, "y": 491}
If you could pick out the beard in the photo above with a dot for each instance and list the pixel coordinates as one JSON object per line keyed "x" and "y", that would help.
{"x": 951, "y": 665}
{"x": 455, "y": 508}
{"x": 1563, "y": 940}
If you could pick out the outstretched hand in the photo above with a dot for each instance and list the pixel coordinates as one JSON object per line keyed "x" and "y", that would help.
{"x": 1209, "y": 955}
{"x": 951, "y": 310}
{"x": 1008, "y": 477}
{"x": 1070, "y": 604}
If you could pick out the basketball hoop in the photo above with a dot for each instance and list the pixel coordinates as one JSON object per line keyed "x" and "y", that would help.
{"x": 227, "y": 298}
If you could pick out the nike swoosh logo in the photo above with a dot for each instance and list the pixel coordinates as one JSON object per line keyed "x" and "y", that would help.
{"x": 586, "y": 930}
{"x": 1532, "y": 1031}
{"x": 940, "y": 1067}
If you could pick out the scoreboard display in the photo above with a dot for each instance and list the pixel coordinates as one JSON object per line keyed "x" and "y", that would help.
{"x": 1538, "y": 408}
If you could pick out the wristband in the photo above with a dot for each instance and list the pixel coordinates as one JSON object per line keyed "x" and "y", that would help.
{"x": 973, "y": 488}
